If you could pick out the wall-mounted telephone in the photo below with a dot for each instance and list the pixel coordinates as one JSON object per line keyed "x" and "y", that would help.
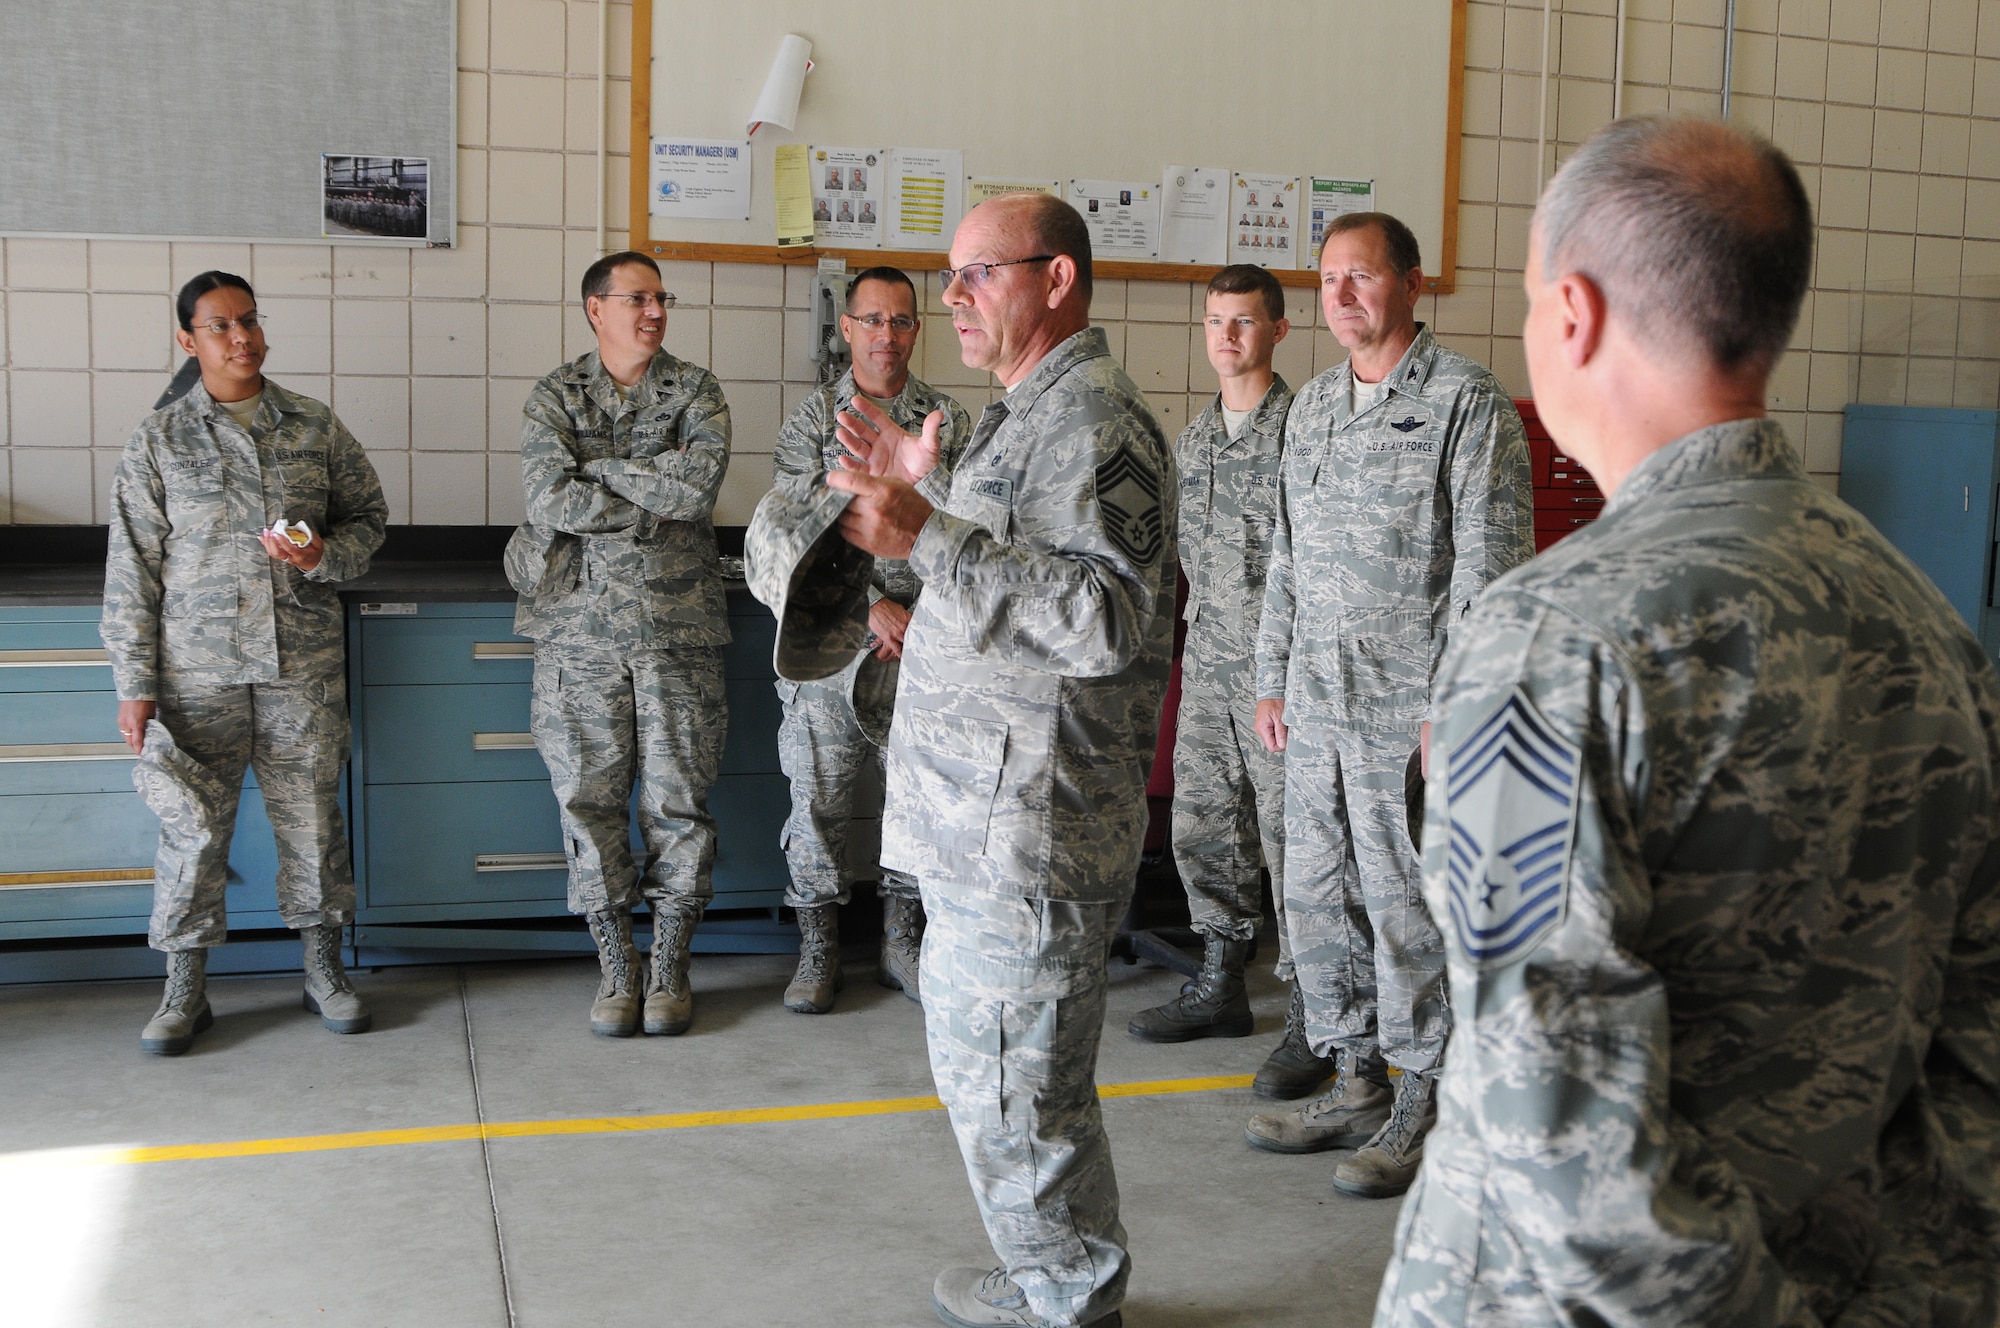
{"x": 829, "y": 297}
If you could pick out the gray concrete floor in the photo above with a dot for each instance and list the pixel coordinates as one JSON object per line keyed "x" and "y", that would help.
{"x": 816, "y": 1222}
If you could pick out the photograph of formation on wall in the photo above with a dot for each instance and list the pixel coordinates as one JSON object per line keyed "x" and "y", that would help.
{"x": 379, "y": 198}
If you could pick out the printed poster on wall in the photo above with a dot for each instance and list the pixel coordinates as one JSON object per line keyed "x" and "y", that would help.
{"x": 1123, "y": 217}
{"x": 1267, "y": 224}
{"x": 977, "y": 191}
{"x": 1336, "y": 198}
{"x": 793, "y": 192}
{"x": 704, "y": 179}
{"x": 1194, "y": 220}
{"x": 848, "y": 195}
{"x": 926, "y": 197}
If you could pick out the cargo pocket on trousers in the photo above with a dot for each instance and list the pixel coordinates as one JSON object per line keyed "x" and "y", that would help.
{"x": 954, "y": 766}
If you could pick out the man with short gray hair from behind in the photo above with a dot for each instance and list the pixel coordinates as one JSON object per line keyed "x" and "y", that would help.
{"x": 1711, "y": 829}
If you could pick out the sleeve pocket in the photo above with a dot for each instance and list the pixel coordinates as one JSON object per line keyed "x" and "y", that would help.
{"x": 954, "y": 765}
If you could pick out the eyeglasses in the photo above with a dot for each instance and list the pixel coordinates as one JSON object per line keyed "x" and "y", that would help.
{"x": 222, "y": 327}
{"x": 876, "y": 322}
{"x": 975, "y": 275}
{"x": 640, "y": 299}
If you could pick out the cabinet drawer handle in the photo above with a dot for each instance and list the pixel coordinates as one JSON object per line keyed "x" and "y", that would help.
{"x": 503, "y": 649}
{"x": 69, "y": 880}
{"x": 43, "y": 752}
{"x": 54, "y": 659}
{"x": 503, "y": 742}
{"x": 506, "y": 862}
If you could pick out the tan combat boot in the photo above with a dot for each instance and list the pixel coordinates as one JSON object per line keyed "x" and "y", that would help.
{"x": 615, "y": 1012}
{"x": 902, "y": 944}
{"x": 328, "y": 992}
{"x": 1345, "y": 1116}
{"x": 818, "y": 977}
{"x": 1387, "y": 1164}
{"x": 669, "y": 993}
{"x": 184, "y": 1009}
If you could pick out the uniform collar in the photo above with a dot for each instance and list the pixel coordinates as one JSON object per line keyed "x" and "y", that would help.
{"x": 899, "y": 406}
{"x": 1088, "y": 344}
{"x": 587, "y": 371}
{"x": 1411, "y": 374}
{"x": 1267, "y": 417}
{"x": 1737, "y": 449}
{"x": 275, "y": 400}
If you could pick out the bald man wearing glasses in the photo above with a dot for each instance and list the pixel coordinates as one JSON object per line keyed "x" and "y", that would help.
{"x": 1033, "y": 670}
{"x": 623, "y": 451}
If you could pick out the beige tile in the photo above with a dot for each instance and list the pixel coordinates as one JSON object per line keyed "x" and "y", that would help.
{"x": 937, "y": 352}
{"x": 755, "y": 412}
{"x": 1850, "y": 75}
{"x": 1156, "y": 356}
{"x": 1979, "y": 329}
{"x": 1891, "y": 261}
{"x": 103, "y": 470}
{"x": 1159, "y": 302}
{"x": 1584, "y": 46}
{"x": 1520, "y": 105}
{"x": 1293, "y": 359}
{"x": 1510, "y": 239}
{"x": 506, "y": 503}
{"x": 749, "y": 285}
{"x": 1479, "y": 170}
{"x": 1983, "y": 151}
{"x": 619, "y": 144}
{"x": 1510, "y": 365}
{"x": 688, "y": 335}
{"x": 748, "y": 479}
{"x": 523, "y": 340}
{"x": 1171, "y": 410}
{"x": 393, "y": 469}
{"x": 1885, "y": 323}
{"x": 1301, "y": 307}
{"x": 525, "y": 188}
{"x": 530, "y": 35}
{"x": 1822, "y": 441}
{"x": 51, "y": 486}
{"x": 1482, "y": 102}
{"x": 1892, "y": 202}
{"x": 132, "y": 332}
{"x": 580, "y": 119}
{"x": 1954, "y": 26}
{"x": 585, "y": 42}
{"x": 1787, "y": 388}
{"x": 448, "y": 337}
{"x": 579, "y": 252}
{"x": 1900, "y": 79}
{"x": 688, "y": 281}
{"x": 1849, "y": 139}
{"x": 49, "y": 264}
{"x": 1981, "y": 265}
{"x": 1522, "y": 40}
{"x": 1899, "y": 140}
{"x": 1803, "y": 18}
{"x": 1108, "y": 300}
{"x": 1799, "y": 128}
{"x": 358, "y": 270}
{"x": 1832, "y": 381}
{"x": 1692, "y": 101}
{"x": 1934, "y": 326}
{"x": 129, "y": 265}
{"x": 375, "y": 410}
{"x": 580, "y": 189}
{"x": 1519, "y": 181}
{"x": 371, "y": 337}
{"x": 1836, "y": 322}
{"x": 801, "y": 341}
{"x": 577, "y": 335}
{"x": 1945, "y": 145}
{"x": 119, "y": 401}
{"x": 505, "y": 398}
{"x": 319, "y": 387}
{"x": 448, "y": 488}
{"x": 1989, "y": 29}
{"x": 189, "y": 260}
{"x": 472, "y": 97}
{"x": 747, "y": 344}
{"x": 1485, "y": 29}
{"x": 524, "y": 264}
{"x": 1755, "y": 71}
{"x": 1840, "y": 260}
{"x": 1977, "y": 386}
{"x": 50, "y": 408}
{"x": 1938, "y": 257}
{"x": 1982, "y": 210}
{"x": 1948, "y": 84}
{"x": 1857, "y": 20}
{"x": 1581, "y": 108}
{"x": 1986, "y": 86}
{"x": 1941, "y": 206}
{"x": 799, "y": 285}
{"x": 1327, "y": 353}
{"x": 1757, "y": 16}
{"x": 448, "y": 414}
{"x": 526, "y": 111}
{"x": 1906, "y": 23}
{"x": 455, "y": 273}
{"x": 474, "y": 24}
{"x": 1801, "y": 69}
{"x": 472, "y": 188}
{"x": 49, "y": 329}
{"x": 1697, "y": 56}
{"x": 1201, "y": 377}
{"x": 1930, "y": 382}
{"x": 292, "y": 269}
{"x": 1884, "y": 380}
{"x": 1753, "y": 113}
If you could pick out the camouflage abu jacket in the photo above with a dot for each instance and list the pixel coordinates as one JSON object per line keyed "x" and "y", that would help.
{"x": 189, "y": 593}
{"x": 807, "y": 446}
{"x": 1390, "y": 523}
{"x": 635, "y": 481}
{"x": 1711, "y": 837}
{"x": 1228, "y": 512}
{"x": 1037, "y": 657}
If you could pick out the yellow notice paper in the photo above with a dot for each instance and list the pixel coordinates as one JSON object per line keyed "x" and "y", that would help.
{"x": 977, "y": 191}
{"x": 794, "y": 196}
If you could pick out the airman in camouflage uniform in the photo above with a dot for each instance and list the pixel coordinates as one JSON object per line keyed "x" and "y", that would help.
{"x": 234, "y": 647}
{"x": 629, "y": 621}
{"x": 1032, "y": 680}
{"x": 1400, "y": 500}
{"x": 822, "y": 746}
{"x": 1712, "y": 825}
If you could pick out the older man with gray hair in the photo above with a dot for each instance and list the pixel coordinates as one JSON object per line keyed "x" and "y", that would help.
{"x": 1711, "y": 829}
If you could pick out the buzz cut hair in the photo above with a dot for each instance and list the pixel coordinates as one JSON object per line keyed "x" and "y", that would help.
{"x": 597, "y": 277}
{"x": 894, "y": 276}
{"x": 1249, "y": 279}
{"x": 1699, "y": 235}
{"x": 1400, "y": 239}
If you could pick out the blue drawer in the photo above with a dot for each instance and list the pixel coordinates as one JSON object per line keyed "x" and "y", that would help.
{"x": 43, "y": 655}
{"x": 445, "y": 643}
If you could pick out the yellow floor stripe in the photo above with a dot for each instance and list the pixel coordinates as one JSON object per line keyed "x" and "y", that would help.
{"x": 680, "y": 1120}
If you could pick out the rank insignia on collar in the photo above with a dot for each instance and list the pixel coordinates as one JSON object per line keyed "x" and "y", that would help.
{"x": 1128, "y": 494}
{"x": 1407, "y": 423}
{"x": 1511, "y": 799}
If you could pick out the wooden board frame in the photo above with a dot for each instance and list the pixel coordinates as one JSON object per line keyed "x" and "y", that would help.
{"x": 1443, "y": 282}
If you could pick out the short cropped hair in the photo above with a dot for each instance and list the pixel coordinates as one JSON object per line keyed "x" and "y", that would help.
{"x": 597, "y": 277}
{"x": 201, "y": 284}
{"x": 1402, "y": 241}
{"x": 1054, "y": 227}
{"x": 1249, "y": 279}
{"x": 894, "y": 276}
{"x": 1698, "y": 234}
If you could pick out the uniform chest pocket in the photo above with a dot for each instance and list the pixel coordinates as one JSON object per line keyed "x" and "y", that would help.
{"x": 194, "y": 496}
{"x": 954, "y": 764}
{"x": 654, "y": 433}
{"x": 304, "y": 480}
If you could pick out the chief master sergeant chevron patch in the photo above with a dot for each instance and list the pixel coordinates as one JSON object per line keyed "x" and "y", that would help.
{"x": 1511, "y": 797}
{"x": 1128, "y": 494}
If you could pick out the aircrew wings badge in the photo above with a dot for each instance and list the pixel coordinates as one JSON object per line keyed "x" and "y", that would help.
{"x": 1511, "y": 799}
{"x": 1128, "y": 495}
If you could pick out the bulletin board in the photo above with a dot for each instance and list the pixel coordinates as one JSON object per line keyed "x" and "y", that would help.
{"x": 1062, "y": 89}
{"x": 207, "y": 119}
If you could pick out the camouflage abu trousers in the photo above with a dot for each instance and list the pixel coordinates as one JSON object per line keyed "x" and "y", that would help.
{"x": 823, "y": 752}
{"x": 1229, "y": 804}
{"x": 1370, "y": 960}
{"x": 1013, "y": 1013}
{"x": 602, "y": 718}
{"x": 294, "y": 733}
